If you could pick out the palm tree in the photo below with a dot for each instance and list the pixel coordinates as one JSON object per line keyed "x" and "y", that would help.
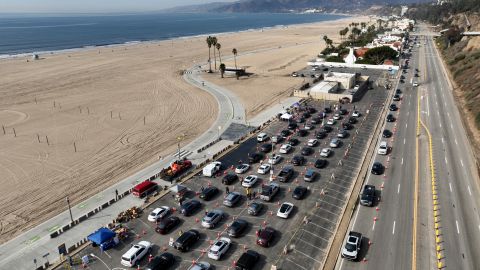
{"x": 222, "y": 69}
{"x": 325, "y": 38}
{"x": 218, "y": 45}
{"x": 214, "y": 43}
{"x": 329, "y": 43}
{"x": 234, "y": 51}
{"x": 209, "y": 43}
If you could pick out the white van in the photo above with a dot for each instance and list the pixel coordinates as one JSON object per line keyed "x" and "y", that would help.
{"x": 383, "y": 148}
{"x": 262, "y": 137}
{"x": 211, "y": 169}
{"x": 136, "y": 253}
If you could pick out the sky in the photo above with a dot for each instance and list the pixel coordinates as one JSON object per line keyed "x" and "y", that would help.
{"x": 85, "y": 6}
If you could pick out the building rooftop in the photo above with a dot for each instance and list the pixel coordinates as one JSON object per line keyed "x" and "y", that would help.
{"x": 323, "y": 87}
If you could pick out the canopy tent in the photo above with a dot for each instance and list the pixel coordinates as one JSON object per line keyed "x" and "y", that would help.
{"x": 101, "y": 236}
{"x": 286, "y": 116}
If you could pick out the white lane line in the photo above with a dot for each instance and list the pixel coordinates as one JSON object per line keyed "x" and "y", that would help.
{"x": 458, "y": 230}
{"x": 406, "y": 125}
{"x": 398, "y": 189}
{"x": 461, "y": 162}
{"x": 469, "y": 191}
{"x": 450, "y": 185}
{"x": 355, "y": 218}
{"x": 456, "y": 141}
{"x": 446, "y": 161}
{"x": 403, "y": 140}
{"x": 442, "y": 140}
{"x": 393, "y": 231}
{"x": 451, "y": 125}
{"x": 402, "y": 160}
{"x": 440, "y": 123}
{"x": 373, "y": 227}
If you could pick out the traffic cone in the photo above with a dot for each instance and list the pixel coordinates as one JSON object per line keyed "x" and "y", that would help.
{"x": 197, "y": 220}
{"x": 376, "y": 208}
{"x": 144, "y": 232}
{"x": 375, "y": 219}
{"x": 369, "y": 243}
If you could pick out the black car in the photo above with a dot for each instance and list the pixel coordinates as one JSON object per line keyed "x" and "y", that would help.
{"x": 265, "y": 236}
{"x": 188, "y": 208}
{"x": 254, "y": 158}
{"x": 299, "y": 192}
{"x": 302, "y": 132}
{"x": 164, "y": 261}
{"x": 393, "y": 107}
{"x": 229, "y": 178}
{"x": 398, "y": 92}
{"x": 311, "y": 110}
{"x": 402, "y": 77}
{"x": 285, "y": 133}
{"x": 387, "y": 133}
{"x": 316, "y": 120}
{"x": 352, "y": 120}
{"x": 167, "y": 224}
{"x": 292, "y": 125}
{"x": 321, "y": 135}
{"x": 298, "y": 160}
{"x": 368, "y": 195}
{"x": 208, "y": 193}
{"x": 343, "y": 111}
{"x": 186, "y": 240}
{"x": 377, "y": 168}
{"x": 327, "y": 110}
{"x": 320, "y": 163}
{"x": 396, "y": 97}
{"x": 301, "y": 119}
{"x": 266, "y": 147}
{"x": 390, "y": 118}
{"x": 293, "y": 141}
{"x": 326, "y": 129}
{"x": 306, "y": 115}
{"x": 347, "y": 126}
{"x": 402, "y": 81}
{"x": 237, "y": 227}
{"x": 306, "y": 151}
{"x": 247, "y": 261}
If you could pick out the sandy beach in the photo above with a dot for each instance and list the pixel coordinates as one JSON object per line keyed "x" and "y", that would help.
{"x": 122, "y": 108}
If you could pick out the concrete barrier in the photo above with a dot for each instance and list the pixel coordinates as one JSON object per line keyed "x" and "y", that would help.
{"x": 82, "y": 218}
{"x": 54, "y": 234}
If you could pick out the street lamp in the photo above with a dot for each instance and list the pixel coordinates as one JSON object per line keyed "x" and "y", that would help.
{"x": 93, "y": 255}
{"x": 69, "y": 208}
{"x": 219, "y": 128}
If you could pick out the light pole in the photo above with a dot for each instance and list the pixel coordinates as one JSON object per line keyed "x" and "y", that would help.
{"x": 218, "y": 133}
{"x": 93, "y": 255}
{"x": 69, "y": 209}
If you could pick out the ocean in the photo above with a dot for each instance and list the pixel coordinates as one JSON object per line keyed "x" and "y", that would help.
{"x": 39, "y": 34}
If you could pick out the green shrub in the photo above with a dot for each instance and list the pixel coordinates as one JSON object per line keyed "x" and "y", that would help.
{"x": 335, "y": 59}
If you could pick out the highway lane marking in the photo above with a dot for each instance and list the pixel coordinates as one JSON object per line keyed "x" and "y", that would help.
{"x": 451, "y": 125}
{"x": 450, "y": 185}
{"x": 440, "y": 123}
{"x": 373, "y": 227}
{"x": 393, "y": 231}
{"x": 403, "y": 140}
{"x": 402, "y": 160}
{"x": 461, "y": 162}
{"x": 446, "y": 161}
{"x": 442, "y": 140}
{"x": 455, "y": 140}
{"x": 406, "y": 125}
{"x": 398, "y": 189}
{"x": 469, "y": 191}
{"x": 458, "y": 230}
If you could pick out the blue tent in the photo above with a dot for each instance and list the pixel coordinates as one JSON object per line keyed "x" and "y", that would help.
{"x": 101, "y": 236}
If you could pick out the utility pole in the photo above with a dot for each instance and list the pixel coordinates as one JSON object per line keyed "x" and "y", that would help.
{"x": 69, "y": 209}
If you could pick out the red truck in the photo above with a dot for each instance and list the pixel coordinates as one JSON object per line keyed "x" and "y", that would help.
{"x": 176, "y": 168}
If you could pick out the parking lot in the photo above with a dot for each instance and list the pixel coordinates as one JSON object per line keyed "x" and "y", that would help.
{"x": 304, "y": 236}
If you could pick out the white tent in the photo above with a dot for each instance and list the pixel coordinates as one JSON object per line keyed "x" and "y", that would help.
{"x": 286, "y": 116}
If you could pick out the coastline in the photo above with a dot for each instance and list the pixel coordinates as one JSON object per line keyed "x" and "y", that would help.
{"x": 134, "y": 83}
{"x": 155, "y": 41}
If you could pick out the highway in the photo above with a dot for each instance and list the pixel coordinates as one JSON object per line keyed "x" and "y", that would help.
{"x": 388, "y": 226}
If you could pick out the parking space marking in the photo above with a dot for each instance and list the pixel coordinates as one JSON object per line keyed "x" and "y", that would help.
{"x": 450, "y": 185}
{"x": 317, "y": 248}
{"x": 404, "y": 140}
{"x": 402, "y": 160}
{"x": 323, "y": 228}
{"x": 306, "y": 255}
{"x": 331, "y": 204}
{"x": 469, "y": 191}
{"x": 461, "y": 162}
{"x": 373, "y": 226}
{"x": 455, "y": 140}
{"x": 321, "y": 238}
{"x": 458, "y": 230}
{"x": 398, "y": 189}
{"x": 288, "y": 259}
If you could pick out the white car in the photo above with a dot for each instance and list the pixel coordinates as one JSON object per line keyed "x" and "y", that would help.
{"x": 275, "y": 159}
{"x": 334, "y": 143}
{"x": 264, "y": 168}
{"x": 356, "y": 114}
{"x": 242, "y": 168}
{"x": 331, "y": 121}
{"x": 285, "y": 210}
{"x": 219, "y": 248}
{"x": 336, "y": 116}
{"x": 312, "y": 142}
{"x": 285, "y": 148}
{"x": 158, "y": 213}
{"x": 383, "y": 148}
{"x": 325, "y": 152}
{"x": 136, "y": 253}
{"x": 250, "y": 181}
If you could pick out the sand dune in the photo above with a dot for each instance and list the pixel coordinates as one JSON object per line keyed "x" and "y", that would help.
{"x": 98, "y": 99}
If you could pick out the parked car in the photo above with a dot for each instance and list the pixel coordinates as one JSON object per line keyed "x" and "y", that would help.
{"x": 306, "y": 151}
{"x": 208, "y": 193}
{"x": 200, "y": 266}
{"x": 312, "y": 142}
{"x": 327, "y": 129}
{"x": 352, "y": 246}
{"x": 285, "y": 133}
{"x": 331, "y": 121}
{"x": 368, "y": 195}
{"x": 293, "y": 141}
{"x": 189, "y": 207}
{"x": 261, "y": 137}
{"x": 320, "y": 163}
{"x": 162, "y": 262}
{"x": 390, "y": 118}
{"x": 393, "y": 107}
{"x": 247, "y": 260}
{"x": 242, "y": 168}
{"x": 315, "y": 120}
{"x": 274, "y": 159}
{"x": 186, "y": 240}
{"x": 352, "y": 120}
{"x": 232, "y": 198}
{"x": 249, "y": 181}
{"x": 396, "y": 97}
{"x": 302, "y": 132}
{"x": 298, "y": 160}
{"x": 237, "y": 227}
{"x": 254, "y": 158}
{"x": 336, "y": 116}
{"x": 229, "y": 178}
{"x": 277, "y": 139}
{"x": 347, "y": 126}
{"x": 266, "y": 147}
{"x": 264, "y": 168}
{"x": 335, "y": 142}
{"x": 136, "y": 253}
{"x": 158, "y": 213}
{"x": 285, "y": 210}
{"x": 212, "y": 218}
{"x": 309, "y": 126}
{"x": 167, "y": 224}
{"x": 320, "y": 135}
{"x": 356, "y": 114}
{"x": 285, "y": 148}
{"x": 310, "y": 175}
{"x": 292, "y": 125}
{"x": 383, "y": 148}
{"x": 342, "y": 133}
{"x": 325, "y": 152}
{"x": 299, "y": 192}
{"x": 254, "y": 208}
{"x": 219, "y": 248}
{"x": 387, "y": 133}
{"x": 265, "y": 236}
{"x": 377, "y": 168}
